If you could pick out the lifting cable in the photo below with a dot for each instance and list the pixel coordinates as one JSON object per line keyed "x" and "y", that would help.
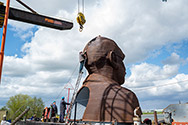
{"x": 70, "y": 78}
{"x": 158, "y": 86}
{"x": 80, "y": 17}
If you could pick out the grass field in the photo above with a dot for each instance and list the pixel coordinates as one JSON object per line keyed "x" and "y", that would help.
{"x": 152, "y": 112}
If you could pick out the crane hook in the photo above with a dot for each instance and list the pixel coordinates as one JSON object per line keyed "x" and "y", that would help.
{"x": 81, "y": 20}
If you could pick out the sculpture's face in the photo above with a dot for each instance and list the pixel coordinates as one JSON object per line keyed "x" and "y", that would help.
{"x": 97, "y": 51}
{"x": 120, "y": 72}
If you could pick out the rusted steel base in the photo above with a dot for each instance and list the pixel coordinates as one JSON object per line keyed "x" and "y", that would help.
{"x": 57, "y": 123}
{"x": 38, "y": 123}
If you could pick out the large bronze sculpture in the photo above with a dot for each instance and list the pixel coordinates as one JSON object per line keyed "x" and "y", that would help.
{"x": 106, "y": 101}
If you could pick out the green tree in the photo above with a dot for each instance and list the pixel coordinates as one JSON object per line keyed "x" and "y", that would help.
{"x": 18, "y": 103}
{"x": 4, "y": 108}
{"x": 37, "y": 106}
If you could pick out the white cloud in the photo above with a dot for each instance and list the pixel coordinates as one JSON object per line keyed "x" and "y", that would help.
{"x": 151, "y": 82}
{"x": 138, "y": 28}
{"x": 173, "y": 59}
{"x": 144, "y": 74}
{"x": 14, "y": 66}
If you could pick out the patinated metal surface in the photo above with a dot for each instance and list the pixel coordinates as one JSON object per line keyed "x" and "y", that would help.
{"x": 108, "y": 100}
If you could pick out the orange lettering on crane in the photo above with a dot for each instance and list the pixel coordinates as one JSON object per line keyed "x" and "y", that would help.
{"x": 49, "y": 20}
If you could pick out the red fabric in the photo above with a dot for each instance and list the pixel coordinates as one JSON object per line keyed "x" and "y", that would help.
{"x": 46, "y": 113}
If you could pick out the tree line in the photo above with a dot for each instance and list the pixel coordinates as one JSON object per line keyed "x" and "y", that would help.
{"x": 18, "y": 103}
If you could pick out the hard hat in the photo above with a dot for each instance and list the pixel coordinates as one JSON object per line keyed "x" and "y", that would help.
{"x": 4, "y": 116}
{"x": 63, "y": 97}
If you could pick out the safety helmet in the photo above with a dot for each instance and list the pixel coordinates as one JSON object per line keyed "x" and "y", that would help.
{"x": 63, "y": 97}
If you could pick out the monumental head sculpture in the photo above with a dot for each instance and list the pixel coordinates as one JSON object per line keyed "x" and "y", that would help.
{"x": 107, "y": 100}
{"x": 106, "y": 58}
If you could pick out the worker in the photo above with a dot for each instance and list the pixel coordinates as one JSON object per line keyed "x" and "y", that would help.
{"x": 45, "y": 114}
{"x": 55, "y": 108}
{"x": 147, "y": 121}
{"x": 62, "y": 109}
{"x": 53, "y": 111}
{"x": 82, "y": 58}
{"x": 4, "y": 122}
{"x": 49, "y": 113}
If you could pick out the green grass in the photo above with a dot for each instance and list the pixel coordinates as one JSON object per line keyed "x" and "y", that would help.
{"x": 152, "y": 113}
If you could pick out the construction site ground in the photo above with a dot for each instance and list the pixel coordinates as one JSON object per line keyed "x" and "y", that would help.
{"x": 43, "y": 123}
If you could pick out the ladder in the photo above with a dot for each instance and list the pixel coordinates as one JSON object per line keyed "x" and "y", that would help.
{"x": 74, "y": 95}
{"x": 82, "y": 58}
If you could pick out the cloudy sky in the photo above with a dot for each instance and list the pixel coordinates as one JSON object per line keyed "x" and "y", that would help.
{"x": 153, "y": 35}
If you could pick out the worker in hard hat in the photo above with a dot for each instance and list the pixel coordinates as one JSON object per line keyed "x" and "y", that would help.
{"x": 4, "y": 122}
{"x": 45, "y": 114}
{"x": 53, "y": 111}
{"x": 62, "y": 109}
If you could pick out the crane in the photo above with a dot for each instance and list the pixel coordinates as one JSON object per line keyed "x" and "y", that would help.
{"x": 35, "y": 18}
{"x": 32, "y": 17}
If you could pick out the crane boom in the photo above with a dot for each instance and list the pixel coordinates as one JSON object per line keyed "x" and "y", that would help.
{"x": 24, "y": 16}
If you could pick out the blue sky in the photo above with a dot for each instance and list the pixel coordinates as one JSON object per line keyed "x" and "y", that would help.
{"x": 152, "y": 34}
{"x": 165, "y": 52}
{"x": 14, "y": 42}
